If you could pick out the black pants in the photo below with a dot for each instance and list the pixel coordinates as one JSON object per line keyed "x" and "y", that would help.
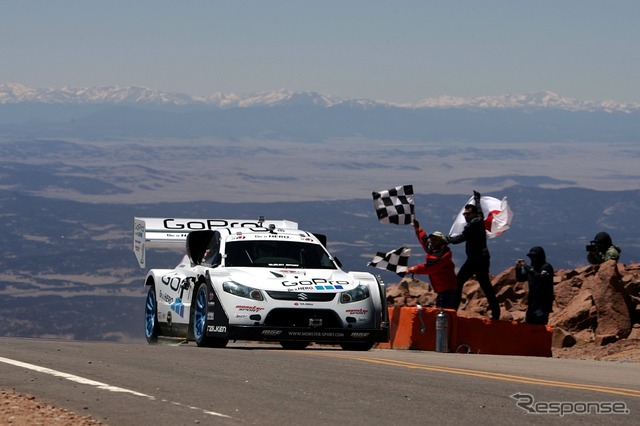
{"x": 536, "y": 316}
{"x": 447, "y": 299}
{"x": 479, "y": 268}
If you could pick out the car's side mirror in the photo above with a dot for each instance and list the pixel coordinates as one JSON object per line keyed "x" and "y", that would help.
{"x": 335, "y": 259}
{"x": 216, "y": 260}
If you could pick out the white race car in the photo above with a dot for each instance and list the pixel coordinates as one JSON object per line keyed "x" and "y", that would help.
{"x": 256, "y": 280}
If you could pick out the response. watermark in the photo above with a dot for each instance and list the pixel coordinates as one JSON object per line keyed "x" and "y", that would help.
{"x": 528, "y": 403}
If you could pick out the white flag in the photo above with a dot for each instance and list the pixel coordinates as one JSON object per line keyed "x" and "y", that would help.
{"x": 497, "y": 216}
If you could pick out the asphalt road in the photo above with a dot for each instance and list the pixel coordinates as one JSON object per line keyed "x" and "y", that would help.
{"x": 171, "y": 384}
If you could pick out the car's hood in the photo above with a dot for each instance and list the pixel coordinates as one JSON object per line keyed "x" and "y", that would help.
{"x": 293, "y": 279}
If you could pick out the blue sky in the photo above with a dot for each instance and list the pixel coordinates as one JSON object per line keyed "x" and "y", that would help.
{"x": 398, "y": 51}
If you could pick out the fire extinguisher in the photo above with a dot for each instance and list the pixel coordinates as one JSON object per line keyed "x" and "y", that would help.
{"x": 442, "y": 332}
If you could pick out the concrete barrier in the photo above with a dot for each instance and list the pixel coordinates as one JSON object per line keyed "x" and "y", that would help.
{"x": 414, "y": 328}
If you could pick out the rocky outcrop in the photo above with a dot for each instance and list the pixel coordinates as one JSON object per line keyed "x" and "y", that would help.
{"x": 593, "y": 304}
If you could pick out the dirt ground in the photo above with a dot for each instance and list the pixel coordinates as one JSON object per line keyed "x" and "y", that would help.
{"x": 620, "y": 351}
{"x": 26, "y": 410}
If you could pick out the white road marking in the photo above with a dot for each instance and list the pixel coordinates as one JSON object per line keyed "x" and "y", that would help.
{"x": 85, "y": 381}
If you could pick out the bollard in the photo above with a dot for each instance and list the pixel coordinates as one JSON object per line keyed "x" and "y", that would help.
{"x": 442, "y": 332}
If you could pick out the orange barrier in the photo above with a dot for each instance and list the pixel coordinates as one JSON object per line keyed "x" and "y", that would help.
{"x": 401, "y": 321}
{"x": 484, "y": 336}
{"x": 414, "y": 328}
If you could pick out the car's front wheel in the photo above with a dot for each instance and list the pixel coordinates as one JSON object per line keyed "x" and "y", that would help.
{"x": 200, "y": 320}
{"x": 151, "y": 316}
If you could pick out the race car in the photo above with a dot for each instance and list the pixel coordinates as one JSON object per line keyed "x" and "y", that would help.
{"x": 263, "y": 280}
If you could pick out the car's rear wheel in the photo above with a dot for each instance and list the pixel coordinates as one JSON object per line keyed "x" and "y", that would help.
{"x": 151, "y": 316}
{"x": 296, "y": 346}
{"x": 356, "y": 346}
{"x": 200, "y": 320}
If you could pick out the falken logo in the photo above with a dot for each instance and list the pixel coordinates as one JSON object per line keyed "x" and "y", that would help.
{"x": 216, "y": 329}
{"x": 178, "y": 307}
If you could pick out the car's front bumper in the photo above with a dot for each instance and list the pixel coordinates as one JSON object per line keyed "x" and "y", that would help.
{"x": 310, "y": 334}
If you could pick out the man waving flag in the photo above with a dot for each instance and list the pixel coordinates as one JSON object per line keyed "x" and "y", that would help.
{"x": 498, "y": 216}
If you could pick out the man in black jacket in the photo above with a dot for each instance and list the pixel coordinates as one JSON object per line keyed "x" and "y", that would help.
{"x": 540, "y": 277}
{"x": 474, "y": 235}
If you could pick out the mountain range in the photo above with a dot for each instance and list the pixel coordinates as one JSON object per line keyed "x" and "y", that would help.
{"x": 12, "y": 93}
{"x": 113, "y": 112}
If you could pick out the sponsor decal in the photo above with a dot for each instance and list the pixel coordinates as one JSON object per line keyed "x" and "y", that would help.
{"x": 216, "y": 329}
{"x": 271, "y": 332}
{"x": 357, "y": 311}
{"x": 360, "y": 335}
{"x": 165, "y": 297}
{"x": 315, "y": 334}
{"x": 302, "y": 304}
{"x": 241, "y": 316}
{"x": 329, "y": 287}
{"x": 178, "y": 307}
{"x": 317, "y": 283}
{"x": 248, "y": 308}
{"x": 176, "y": 236}
{"x": 210, "y": 316}
{"x": 174, "y": 283}
{"x": 304, "y": 288}
{"x": 198, "y": 225}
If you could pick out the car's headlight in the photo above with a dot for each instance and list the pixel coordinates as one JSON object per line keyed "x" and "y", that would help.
{"x": 359, "y": 293}
{"x": 241, "y": 290}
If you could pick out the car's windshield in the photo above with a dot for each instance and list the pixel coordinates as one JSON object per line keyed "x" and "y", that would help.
{"x": 277, "y": 254}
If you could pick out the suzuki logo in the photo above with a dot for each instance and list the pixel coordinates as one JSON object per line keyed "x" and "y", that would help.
{"x": 302, "y": 296}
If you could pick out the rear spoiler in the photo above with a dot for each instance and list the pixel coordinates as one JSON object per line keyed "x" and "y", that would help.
{"x": 169, "y": 232}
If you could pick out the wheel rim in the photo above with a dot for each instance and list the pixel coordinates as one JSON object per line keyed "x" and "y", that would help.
{"x": 200, "y": 316}
{"x": 150, "y": 313}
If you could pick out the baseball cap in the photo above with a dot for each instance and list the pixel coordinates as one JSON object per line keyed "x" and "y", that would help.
{"x": 438, "y": 235}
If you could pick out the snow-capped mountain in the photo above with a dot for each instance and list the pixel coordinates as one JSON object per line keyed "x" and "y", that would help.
{"x": 11, "y": 93}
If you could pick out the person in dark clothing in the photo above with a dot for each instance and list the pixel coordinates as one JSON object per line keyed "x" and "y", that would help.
{"x": 540, "y": 278}
{"x": 478, "y": 259}
{"x": 602, "y": 249}
{"x": 438, "y": 265}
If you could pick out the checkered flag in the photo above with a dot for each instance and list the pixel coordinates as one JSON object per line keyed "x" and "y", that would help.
{"x": 395, "y": 205}
{"x": 395, "y": 261}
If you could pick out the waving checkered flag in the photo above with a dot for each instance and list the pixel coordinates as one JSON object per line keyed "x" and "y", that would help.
{"x": 395, "y": 205}
{"x": 395, "y": 261}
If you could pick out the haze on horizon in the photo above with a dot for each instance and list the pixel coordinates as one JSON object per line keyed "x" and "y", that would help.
{"x": 397, "y": 52}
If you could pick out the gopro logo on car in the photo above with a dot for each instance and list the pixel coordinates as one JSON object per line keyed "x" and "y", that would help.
{"x": 197, "y": 225}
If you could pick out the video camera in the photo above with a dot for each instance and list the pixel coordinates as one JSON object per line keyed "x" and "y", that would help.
{"x": 592, "y": 247}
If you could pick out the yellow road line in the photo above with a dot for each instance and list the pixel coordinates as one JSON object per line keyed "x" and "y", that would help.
{"x": 484, "y": 374}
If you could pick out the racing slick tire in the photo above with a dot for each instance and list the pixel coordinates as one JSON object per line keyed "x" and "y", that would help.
{"x": 200, "y": 320}
{"x": 356, "y": 346}
{"x": 151, "y": 316}
{"x": 295, "y": 345}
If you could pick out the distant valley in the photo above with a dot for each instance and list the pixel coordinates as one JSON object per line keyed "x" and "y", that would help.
{"x": 73, "y": 176}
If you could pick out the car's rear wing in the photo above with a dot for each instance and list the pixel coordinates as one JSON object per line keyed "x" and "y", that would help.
{"x": 167, "y": 232}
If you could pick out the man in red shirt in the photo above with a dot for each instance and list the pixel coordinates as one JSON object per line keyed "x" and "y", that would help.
{"x": 438, "y": 265}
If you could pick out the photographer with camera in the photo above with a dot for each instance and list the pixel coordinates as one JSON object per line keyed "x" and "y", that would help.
{"x": 540, "y": 278}
{"x": 601, "y": 249}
